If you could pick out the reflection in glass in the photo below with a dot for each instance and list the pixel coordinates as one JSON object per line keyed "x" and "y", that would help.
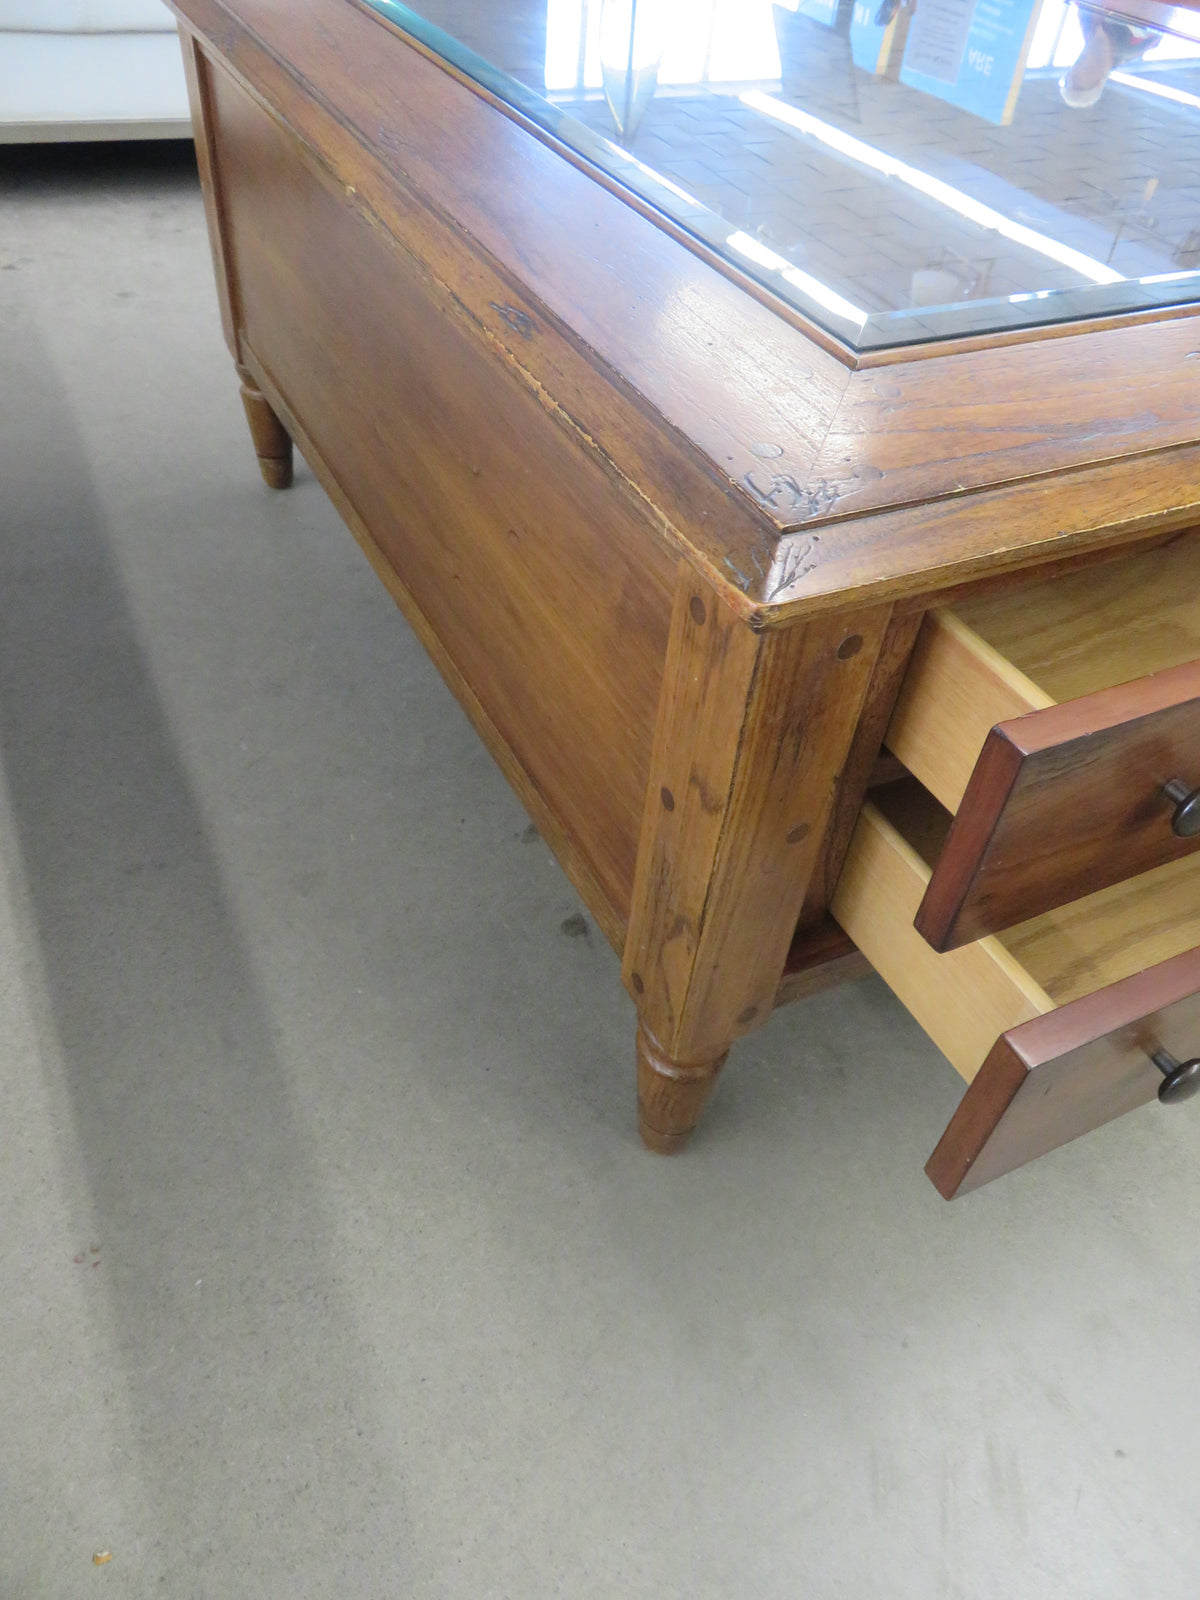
{"x": 703, "y": 42}
{"x": 633, "y": 36}
{"x": 1108, "y": 44}
{"x": 899, "y": 172}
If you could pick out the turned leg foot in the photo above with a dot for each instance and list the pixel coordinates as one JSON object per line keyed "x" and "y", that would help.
{"x": 272, "y": 444}
{"x": 671, "y": 1094}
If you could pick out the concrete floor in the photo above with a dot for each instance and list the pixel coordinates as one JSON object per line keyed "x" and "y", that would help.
{"x": 331, "y": 1263}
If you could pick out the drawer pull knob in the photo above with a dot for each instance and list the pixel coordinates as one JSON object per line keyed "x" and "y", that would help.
{"x": 1186, "y": 819}
{"x": 1181, "y": 1079}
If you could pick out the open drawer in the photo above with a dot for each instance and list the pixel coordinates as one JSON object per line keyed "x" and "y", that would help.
{"x": 1061, "y": 725}
{"x": 1055, "y": 1024}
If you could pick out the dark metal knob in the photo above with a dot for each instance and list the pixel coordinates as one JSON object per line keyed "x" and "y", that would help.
{"x": 1186, "y": 818}
{"x": 1181, "y": 1079}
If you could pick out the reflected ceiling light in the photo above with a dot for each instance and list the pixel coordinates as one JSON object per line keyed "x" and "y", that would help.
{"x": 706, "y": 42}
{"x": 568, "y": 46}
{"x": 1171, "y": 277}
{"x": 661, "y": 178}
{"x": 824, "y": 295}
{"x": 944, "y": 193}
{"x": 1163, "y": 90}
{"x": 754, "y": 250}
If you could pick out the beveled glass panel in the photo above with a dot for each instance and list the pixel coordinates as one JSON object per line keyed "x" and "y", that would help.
{"x": 898, "y": 171}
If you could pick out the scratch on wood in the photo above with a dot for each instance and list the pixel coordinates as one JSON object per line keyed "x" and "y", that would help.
{"x": 799, "y": 557}
{"x": 390, "y": 139}
{"x": 781, "y": 492}
{"x": 741, "y": 577}
{"x": 518, "y": 320}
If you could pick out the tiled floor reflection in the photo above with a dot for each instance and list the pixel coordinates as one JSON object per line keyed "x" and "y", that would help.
{"x": 1116, "y": 182}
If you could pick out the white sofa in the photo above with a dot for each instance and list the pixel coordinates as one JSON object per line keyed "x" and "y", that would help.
{"x": 90, "y": 69}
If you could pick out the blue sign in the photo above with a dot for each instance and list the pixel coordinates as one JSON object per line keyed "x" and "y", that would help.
{"x": 971, "y": 53}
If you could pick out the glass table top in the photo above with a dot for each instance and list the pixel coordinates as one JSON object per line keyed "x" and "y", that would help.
{"x": 897, "y": 170}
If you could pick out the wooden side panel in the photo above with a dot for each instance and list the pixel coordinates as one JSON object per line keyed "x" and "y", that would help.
{"x": 196, "y": 71}
{"x": 722, "y": 374}
{"x": 862, "y": 766}
{"x": 752, "y": 735}
{"x": 1055, "y": 1078}
{"x": 528, "y": 560}
{"x": 964, "y": 999}
{"x": 956, "y": 689}
{"x": 1066, "y": 801}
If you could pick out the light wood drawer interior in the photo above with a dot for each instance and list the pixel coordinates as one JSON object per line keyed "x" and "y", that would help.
{"x": 965, "y": 998}
{"x": 987, "y": 660}
{"x": 1041, "y": 727}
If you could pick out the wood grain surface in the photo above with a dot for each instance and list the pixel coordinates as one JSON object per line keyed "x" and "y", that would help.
{"x": 527, "y": 560}
{"x": 272, "y": 442}
{"x": 753, "y": 732}
{"x": 196, "y": 71}
{"x": 911, "y": 552}
{"x": 963, "y": 999}
{"x": 1066, "y": 798}
{"x": 1060, "y": 1076}
{"x": 956, "y": 689}
{"x": 1065, "y": 801}
{"x": 1100, "y": 626}
{"x": 1034, "y": 638}
{"x": 866, "y": 485}
{"x": 521, "y": 238}
{"x": 574, "y": 858}
{"x": 866, "y": 763}
{"x": 1081, "y": 947}
{"x": 1082, "y": 994}
{"x": 671, "y": 1094}
{"x": 653, "y": 530}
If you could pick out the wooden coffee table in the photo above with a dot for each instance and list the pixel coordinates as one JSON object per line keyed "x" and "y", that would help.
{"x": 706, "y": 560}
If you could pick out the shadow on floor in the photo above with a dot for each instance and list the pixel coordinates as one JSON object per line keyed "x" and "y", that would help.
{"x": 124, "y": 167}
{"x": 239, "y": 1354}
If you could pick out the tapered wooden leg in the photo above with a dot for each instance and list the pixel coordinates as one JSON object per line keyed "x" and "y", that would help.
{"x": 272, "y": 443}
{"x": 753, "y": 732}
{"x": 671, "y": 1094}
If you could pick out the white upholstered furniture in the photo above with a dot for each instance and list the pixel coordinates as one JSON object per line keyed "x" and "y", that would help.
{"x": 90, "y": 69}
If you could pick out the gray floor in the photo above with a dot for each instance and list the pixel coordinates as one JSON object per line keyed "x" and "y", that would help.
{"x": 331, "y": 1264}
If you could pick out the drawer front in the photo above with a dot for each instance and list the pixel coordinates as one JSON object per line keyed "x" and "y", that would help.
{"x": 1058, "y": 1076}
{"x": 1064, "y": 801}
{"x": 1061, "y": 800}
{"x": 1038, "y": 1075}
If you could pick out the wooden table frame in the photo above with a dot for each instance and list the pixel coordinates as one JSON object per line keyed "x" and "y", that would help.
{"x": 693, "y": 660}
